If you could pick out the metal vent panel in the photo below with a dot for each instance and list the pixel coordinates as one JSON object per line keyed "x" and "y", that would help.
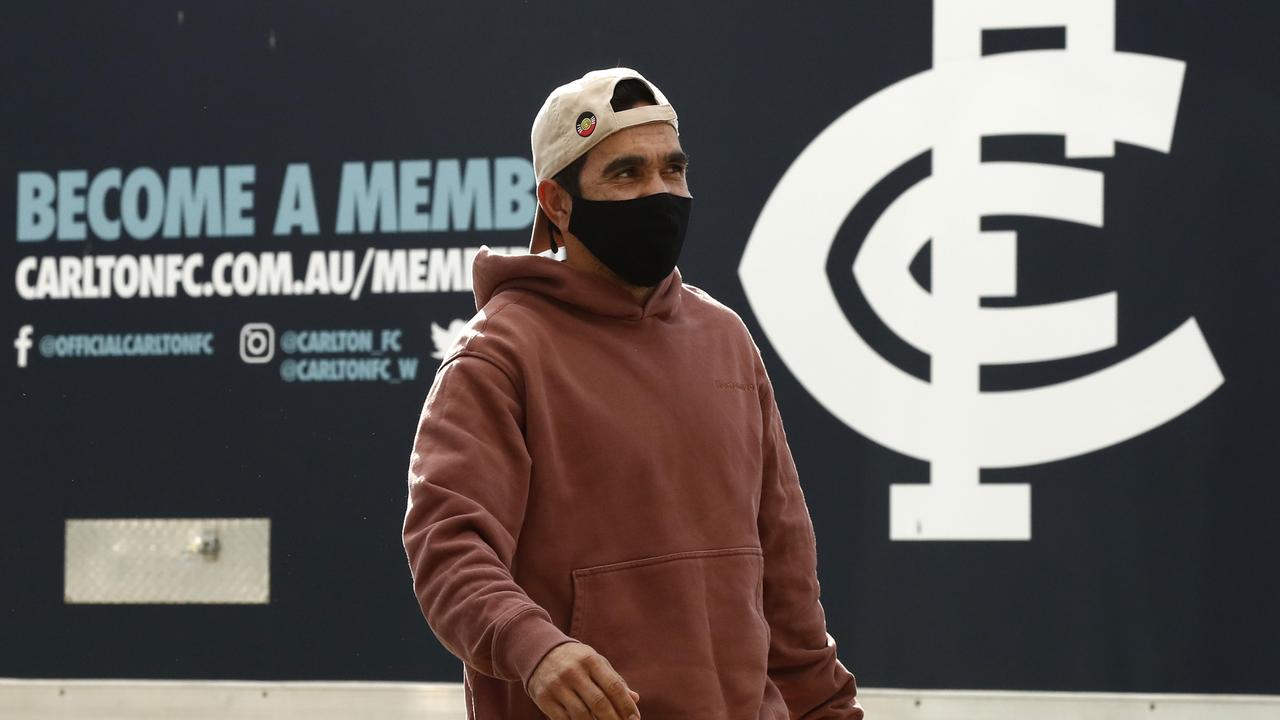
{"x": 163, "y": 560}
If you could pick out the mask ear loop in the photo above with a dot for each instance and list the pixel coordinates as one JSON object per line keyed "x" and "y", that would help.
{"x": 553, "y": 230}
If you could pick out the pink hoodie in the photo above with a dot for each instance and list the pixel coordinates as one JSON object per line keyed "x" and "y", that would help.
{"x": 589, "y": 468}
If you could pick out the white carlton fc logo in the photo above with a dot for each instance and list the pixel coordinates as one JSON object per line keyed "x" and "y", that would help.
{"x": 1089, "y": 93}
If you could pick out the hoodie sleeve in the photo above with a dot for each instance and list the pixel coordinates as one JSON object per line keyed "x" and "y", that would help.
{"x": 469, "y": 474}
{"x": 802, "y": 655}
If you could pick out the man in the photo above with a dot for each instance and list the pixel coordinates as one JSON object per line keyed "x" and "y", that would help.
{"x": 604, "y": 520}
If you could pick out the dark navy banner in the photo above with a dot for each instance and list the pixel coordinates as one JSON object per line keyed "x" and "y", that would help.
{"x": 1012, "y": 266}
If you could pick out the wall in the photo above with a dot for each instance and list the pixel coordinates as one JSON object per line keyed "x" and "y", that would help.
{"x": 1120, "y": 171}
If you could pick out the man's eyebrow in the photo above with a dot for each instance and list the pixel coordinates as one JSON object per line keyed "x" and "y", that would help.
{"x": 625, "y": 161}
{"x": 621, "y": 162}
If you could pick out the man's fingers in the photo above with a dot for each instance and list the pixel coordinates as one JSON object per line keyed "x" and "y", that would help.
{"x": 599, "y": 703}
{"x": 615, "y": 689}
{"x": 574, "y": 707}
{"x": 574, "y": 682}
{"x": 555, "y": 711}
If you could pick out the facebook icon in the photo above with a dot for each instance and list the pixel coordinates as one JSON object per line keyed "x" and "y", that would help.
{"x": 23, "y": 343}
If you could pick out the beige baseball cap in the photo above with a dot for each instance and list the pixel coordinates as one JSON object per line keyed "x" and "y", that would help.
{"x": 574, "y": 118}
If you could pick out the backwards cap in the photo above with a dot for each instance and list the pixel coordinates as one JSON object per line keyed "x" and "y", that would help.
{"x": 574, "y": 118}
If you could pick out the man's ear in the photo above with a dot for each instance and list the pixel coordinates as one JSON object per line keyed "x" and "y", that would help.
{"x": 555, "y": 201}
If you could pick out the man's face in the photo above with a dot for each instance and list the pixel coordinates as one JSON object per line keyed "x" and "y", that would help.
{"x": 634, "y": 162}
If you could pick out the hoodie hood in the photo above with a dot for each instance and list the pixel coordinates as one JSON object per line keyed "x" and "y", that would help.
{"x": 492, "y": 273}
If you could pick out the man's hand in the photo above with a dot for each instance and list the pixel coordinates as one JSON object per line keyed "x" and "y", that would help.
{"x": 574, "y": 682}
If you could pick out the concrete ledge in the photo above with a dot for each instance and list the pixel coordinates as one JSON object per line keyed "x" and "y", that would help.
{"x": 47, "y": 699}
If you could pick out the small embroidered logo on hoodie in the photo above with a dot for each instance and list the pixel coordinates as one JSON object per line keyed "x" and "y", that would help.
{"x": 731, "y": 385}
{"x": 586, "y": 124}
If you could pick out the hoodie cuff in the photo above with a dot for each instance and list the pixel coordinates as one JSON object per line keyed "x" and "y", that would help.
{"x": 524, "y": 640}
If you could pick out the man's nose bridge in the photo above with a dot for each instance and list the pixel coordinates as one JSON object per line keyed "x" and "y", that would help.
{"x": 654, "y": 182}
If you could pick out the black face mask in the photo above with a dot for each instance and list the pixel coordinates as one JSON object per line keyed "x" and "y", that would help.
{"x": 639, "y": 239}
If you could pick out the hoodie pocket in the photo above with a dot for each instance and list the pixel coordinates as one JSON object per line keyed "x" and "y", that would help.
{"x": 686, "y": 630}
